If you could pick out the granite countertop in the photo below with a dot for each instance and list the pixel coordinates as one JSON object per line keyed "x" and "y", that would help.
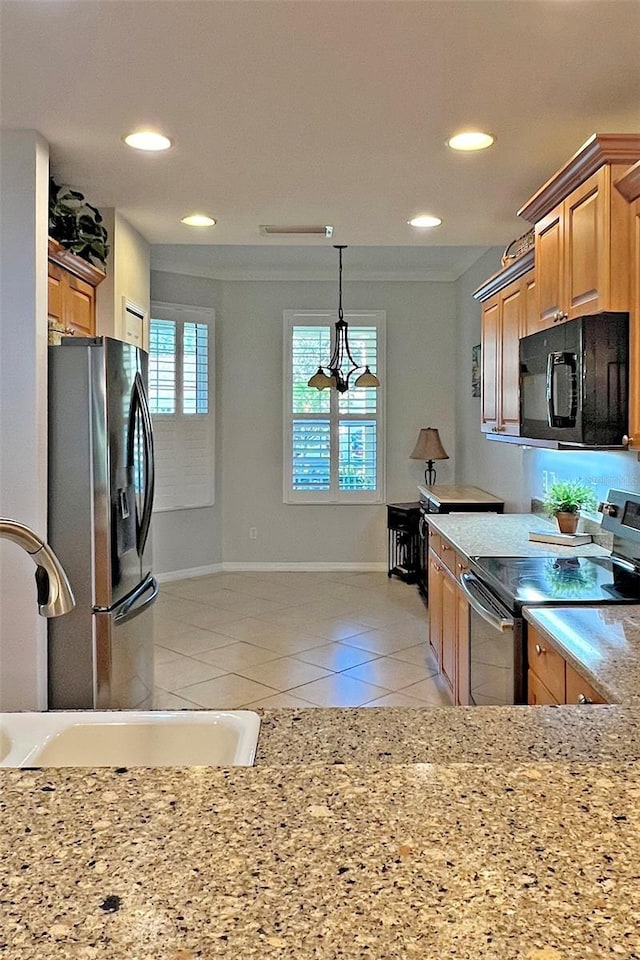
{"x": 533, "y": 861}
{"x": 446, "y": 735}
{"x": 602, "y": 643}
{"x": 506, "y": 535}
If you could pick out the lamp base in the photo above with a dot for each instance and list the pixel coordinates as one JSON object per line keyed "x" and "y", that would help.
{"x": 430, "y": 474}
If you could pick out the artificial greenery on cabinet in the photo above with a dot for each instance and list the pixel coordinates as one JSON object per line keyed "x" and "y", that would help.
{"x": 77, "y": 225}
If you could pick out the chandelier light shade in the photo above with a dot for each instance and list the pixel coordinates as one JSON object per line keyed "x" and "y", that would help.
{"x": 342, "y": 366}
{"x": 429, "y": 448}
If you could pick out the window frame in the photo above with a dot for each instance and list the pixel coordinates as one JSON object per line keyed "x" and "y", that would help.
{"x": 334, "y": 496}
{"x": 181, "y": 314}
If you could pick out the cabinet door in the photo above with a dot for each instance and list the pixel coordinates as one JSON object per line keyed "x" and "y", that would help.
{"x": 463, "y": 688}
{"x": 546, "y": 663}
{"x": 490, "y": 338}
{"x": 577, "y": 689}
{"x": 435, "y": 607}
{"x": 634, "y": 329}
{"x": 509, "y": 387}
{"x": 449, "y": 632}
{"x": 549, "y": 267}
{"x": 79, "y": 306}
{"x": 531, "y": 322}
{"x": 54, "y": 308}
{"x": 538, "y": 694}
{"x": 587, "y": 246}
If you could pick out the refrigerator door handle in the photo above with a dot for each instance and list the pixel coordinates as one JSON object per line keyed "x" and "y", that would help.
{"x": 149, "y": 466}
{"x": 134, "y": 605}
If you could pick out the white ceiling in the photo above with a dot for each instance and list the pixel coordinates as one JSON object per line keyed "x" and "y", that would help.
{"x": 325, "y": 111}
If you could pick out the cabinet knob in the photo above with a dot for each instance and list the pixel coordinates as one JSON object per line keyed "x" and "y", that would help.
{"x": 627, "y": 439}
{"x": 539, "y": 650}
{"x": 584, "y": 699}
{"x": 460, "y": 566}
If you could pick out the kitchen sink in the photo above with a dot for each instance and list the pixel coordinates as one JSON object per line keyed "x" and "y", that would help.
{"x": 129, "y": 738}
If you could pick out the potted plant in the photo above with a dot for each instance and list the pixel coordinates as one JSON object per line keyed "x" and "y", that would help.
{"x": 565, "y": 499}
{"x": 77, "y": 225}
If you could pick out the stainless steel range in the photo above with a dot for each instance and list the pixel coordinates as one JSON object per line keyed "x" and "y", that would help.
{"x": 497, "y": 588}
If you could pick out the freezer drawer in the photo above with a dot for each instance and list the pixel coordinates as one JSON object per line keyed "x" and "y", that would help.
{"x": 104, "y": 659}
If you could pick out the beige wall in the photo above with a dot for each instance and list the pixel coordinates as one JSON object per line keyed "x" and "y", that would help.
{"x": 128, "y": 275}
{"x": 420, "y": 373}
{"x": 190, "y": 539}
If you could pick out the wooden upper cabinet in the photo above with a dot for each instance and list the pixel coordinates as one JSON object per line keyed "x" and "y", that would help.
{"x": 513, "y": 303}
{"x": 549, "y": 275}
{"x": 582, "y": 232}
{"x": 489, "y": 362}
{"x": 586, "y": 233}
{"x": 72, "y": 294}
{"x": 629, "y": 188}
{"x": 505, "y": 319}
{"x": 531, "y": 304}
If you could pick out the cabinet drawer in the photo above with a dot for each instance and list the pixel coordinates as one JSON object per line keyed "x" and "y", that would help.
{"x": 447, "y": 554}
{"x": 435, "y": 543}
{"x": 577, "y": 688}
{"x": 461, "y": 565}
{"x": 546, "y": 664}
{"x": 539, "y": 696}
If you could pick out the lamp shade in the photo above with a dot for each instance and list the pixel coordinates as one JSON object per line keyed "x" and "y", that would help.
{"x": 428, "y": 446}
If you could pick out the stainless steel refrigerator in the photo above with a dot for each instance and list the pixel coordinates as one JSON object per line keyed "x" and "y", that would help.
{"x": 101, "y": 479}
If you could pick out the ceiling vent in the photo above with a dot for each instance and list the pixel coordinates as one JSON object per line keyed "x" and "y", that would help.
{"x": 271, "y": 230}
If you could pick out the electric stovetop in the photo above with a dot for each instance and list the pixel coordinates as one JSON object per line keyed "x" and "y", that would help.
{"x": 530, "y": 580}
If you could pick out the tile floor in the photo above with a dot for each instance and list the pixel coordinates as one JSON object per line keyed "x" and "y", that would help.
{"x": 236, "y": 640}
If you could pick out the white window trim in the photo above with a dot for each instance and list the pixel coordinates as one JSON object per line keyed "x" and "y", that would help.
{"x": 179, "y": 312}
{"x": 313, "y": 317}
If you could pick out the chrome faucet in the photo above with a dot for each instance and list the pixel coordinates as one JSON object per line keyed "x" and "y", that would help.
{"x": 55, "y": 596}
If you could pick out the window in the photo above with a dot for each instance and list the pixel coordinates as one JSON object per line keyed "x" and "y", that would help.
{"x": 334, "y": 444}
{"x": 180, "y": 399}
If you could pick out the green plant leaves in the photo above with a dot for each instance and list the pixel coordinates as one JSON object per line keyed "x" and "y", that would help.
{"x": 77, "y": 225}
{"x": 568, "y": 496}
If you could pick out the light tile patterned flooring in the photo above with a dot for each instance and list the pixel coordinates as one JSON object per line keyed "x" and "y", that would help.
{"x": 236, "y": 640}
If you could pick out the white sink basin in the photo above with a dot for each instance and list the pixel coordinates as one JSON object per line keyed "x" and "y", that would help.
{"x": 122, "y": 738}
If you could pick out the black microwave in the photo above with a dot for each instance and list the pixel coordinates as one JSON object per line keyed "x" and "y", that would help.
{"x": 574, "y": 381}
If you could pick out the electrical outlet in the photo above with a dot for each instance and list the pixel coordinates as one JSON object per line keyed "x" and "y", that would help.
{"x": 253, "y": 533}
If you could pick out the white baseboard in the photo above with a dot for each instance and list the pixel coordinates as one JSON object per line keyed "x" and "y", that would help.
{"x": 270, "y": 568}
{"x": 303, "y": 567}
{"x": 189, "y": 572}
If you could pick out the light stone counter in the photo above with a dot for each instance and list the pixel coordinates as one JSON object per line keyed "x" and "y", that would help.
{"x": 506, "y": 535}
{"x": 602, "y": 643}
{"x": 535, "y": 861}
{"x": 445, "y": 735}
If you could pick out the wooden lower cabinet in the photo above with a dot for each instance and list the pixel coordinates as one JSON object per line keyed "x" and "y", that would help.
{"x": 463, "y": 680}
{"x": 578, "y": 690}
{"x": 539, "y": 696}
{"x": 436, "y": 576}
{"x": 449, "y": 632}
{"x": 550, "y": 679}
{"x": 449, "y": 625}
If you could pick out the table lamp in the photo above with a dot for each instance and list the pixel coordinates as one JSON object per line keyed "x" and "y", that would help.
{"x": 429, "y": 448}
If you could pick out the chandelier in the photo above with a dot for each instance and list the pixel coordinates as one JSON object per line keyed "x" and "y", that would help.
{"x": 342, "y": 366}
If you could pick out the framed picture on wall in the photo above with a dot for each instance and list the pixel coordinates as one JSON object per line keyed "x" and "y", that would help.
{"x": 475, "y": 370}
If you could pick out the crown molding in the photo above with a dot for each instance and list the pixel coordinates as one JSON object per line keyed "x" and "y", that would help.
{"x": 629, "y": 183}
{"x": 600, "y": 149}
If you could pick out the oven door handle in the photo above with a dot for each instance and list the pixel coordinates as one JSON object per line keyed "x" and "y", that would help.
{"x": 503, "y": 624}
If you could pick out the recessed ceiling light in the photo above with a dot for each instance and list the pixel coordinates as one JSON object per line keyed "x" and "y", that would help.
{"x": 148, "y": 140}
{"x": 425, "y": 221}
{"x": 199, "y": 220}
{"x": 470, "y": 140}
